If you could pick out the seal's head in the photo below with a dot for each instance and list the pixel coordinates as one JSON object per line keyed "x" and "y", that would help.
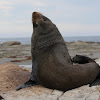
{"x": 41, "y": 22}
{"x": 36, "y": 17}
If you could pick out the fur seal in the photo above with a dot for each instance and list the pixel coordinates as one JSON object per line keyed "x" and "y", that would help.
{"x": 52, "y": 66}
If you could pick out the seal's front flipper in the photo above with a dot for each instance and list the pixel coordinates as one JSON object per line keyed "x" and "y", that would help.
{"x": 27, "y": 84}
{"x": 96, "y": 81}
{"x": 22, "y": 86}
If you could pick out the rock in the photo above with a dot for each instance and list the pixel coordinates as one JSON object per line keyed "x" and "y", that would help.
{"x": 42, "y": 93}
{"x": 11, "y": 76}
{"x": 82, "y": 93}
{"x": 11, "y": 43}
{"x": 98, "y": 61}
{"x": 78, "y": 43}
{"x": 15, "y": 51}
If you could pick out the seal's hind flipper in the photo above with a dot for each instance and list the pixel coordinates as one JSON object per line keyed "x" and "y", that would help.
{"x": 1, "y": 98}
{"x": 81, "y": 59}
{"x": 27, "y": 84}
{"x": 96, "y": 81}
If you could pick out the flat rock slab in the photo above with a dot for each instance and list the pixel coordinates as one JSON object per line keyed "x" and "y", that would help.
{"x": 98, "y": 61}
{"x": 10, "y": 43}
{"x": 12, "y": 75}
{"x": 82, "y": 93}
{"x": 41, "y": 93}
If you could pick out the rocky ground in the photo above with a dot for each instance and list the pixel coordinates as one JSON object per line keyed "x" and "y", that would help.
{"x": 21, "y": 54}
{"x": 11, "y": 75}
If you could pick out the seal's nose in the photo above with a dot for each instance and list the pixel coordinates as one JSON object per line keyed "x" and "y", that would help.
{"x": 35, "y": 12}
{"x": 36, "y": 16}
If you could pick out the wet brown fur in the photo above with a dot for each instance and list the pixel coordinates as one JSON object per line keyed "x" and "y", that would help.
{"x": 53, "y": 67}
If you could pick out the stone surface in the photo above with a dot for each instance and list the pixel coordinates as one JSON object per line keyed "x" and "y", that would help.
{"x": 79, "y": 43}
{"x": 11, "y": 76}
{"x": 11, "y": 43}
{"x": 41, "y": 93}
{"x": 82, "y": 93}
{"x": 98, "y": 61}
{"x": 18, "y": 53}
{"x": 14, "y": 75}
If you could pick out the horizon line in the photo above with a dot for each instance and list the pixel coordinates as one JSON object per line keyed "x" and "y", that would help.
{"x": 63, "y": 36}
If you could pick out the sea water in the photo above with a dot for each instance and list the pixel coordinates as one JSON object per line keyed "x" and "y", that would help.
{"x": 67, "y": 39}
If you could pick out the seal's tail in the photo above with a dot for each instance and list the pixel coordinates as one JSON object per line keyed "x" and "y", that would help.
{"x": 96, "y": 81}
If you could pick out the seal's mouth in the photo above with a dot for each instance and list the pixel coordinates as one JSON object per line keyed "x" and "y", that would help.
{"x": 36, "y": 17}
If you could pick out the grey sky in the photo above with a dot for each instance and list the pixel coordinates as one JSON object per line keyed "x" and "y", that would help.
{"x": 72, "y": 17}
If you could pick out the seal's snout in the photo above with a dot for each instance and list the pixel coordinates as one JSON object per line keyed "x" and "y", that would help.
{"x": 36, "y": 16}
{"x": 35, "y": 12}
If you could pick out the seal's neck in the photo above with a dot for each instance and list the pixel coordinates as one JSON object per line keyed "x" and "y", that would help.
{"x": 45, "y": 35}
